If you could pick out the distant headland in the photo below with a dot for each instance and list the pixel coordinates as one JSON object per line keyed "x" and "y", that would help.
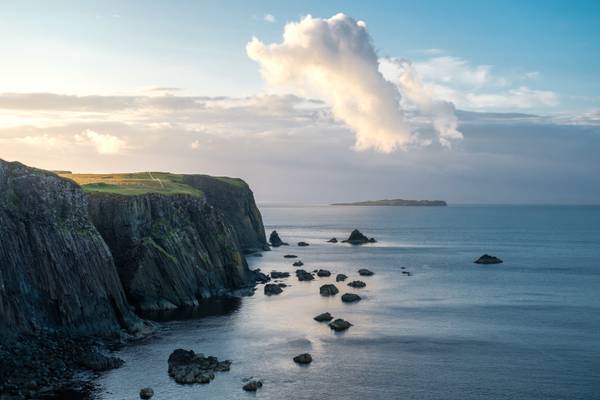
{"x": 396, "y": 203}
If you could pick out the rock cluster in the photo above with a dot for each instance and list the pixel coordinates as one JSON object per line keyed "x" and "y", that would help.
{"x": 272, "y": 289}
{"x": 357, "y": 284}
{"x": 187, "y": 367}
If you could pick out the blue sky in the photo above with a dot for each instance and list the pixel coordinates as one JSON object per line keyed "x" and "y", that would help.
{"x": 467, "y": 101}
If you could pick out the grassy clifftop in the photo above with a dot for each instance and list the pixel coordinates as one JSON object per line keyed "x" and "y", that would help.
{"x": 134, "y": 184}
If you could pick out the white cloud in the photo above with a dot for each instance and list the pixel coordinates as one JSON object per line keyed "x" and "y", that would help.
{"x": 104, "y": 143}
{"x": 269, "y": 18}
{"x": 334, "y": 58}
{"x": 453, "y": 70}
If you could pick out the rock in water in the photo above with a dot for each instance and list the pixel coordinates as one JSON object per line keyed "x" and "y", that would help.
{"x": 341, "y": 277}
{"x": 99, "y": 362}
{"x": 290, "y": 256}
{"x": 298, "y": 263}
{"x": 328, "y": 290}
{"x": 187, "y": 367}
{"x": 340, "y": 325}
{"x": 350, "y": 298}
{"x": 323, "y": 273}
{"x": 260, "y": 277}
{"x": 252, "y": 386}
{"x": 323, "y": 317}
{"x": 303, "y": 358}
{"x": 272, "y": 289}
{"x": 302, "y": 244}
{"x": 279, "y": 275}
{"x": 487, "y": 259}
{"x": 332, "y": 240}
{"x": 275, "y": 240}
{"x": 302, "y": 275}
{"x": 365, "y": 272}
{"x": 357, "y": 284}
{"x": 356, "y": 237}
{"x": 146, "y": 393}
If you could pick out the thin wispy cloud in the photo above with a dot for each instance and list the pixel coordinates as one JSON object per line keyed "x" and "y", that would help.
{"x": 269, "y": 18}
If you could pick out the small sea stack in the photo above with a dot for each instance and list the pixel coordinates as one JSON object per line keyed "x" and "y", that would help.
{"x": 487, "y": 259}
{"x": 356, "y": 237}
{"x": 275, "y": 240}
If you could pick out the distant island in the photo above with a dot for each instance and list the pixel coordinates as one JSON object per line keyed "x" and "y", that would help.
{"x": 396, "y": 203}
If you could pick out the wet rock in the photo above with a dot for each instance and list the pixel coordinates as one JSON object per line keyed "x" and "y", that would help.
{"x": 340, "y": 325}
{"x": 187, "y": 367}
{"x": 290, "y": 256}
{"x": 303, "y": 358}
{"x": 341, "y": 277}
{"x": 302, "y": 275}
{"x": 357, "y": 284}
{"x": 332, "y": 240}
{"x": 282, "y": 285}
{"x": 99, "y": 362}
{"x": 303, "y": 244}
{"x": 298, "y": 263}
{"x": 487, "y": 259}
{"x": 365, "y": 272}
{"x": 272, "y": 289}
{"x": 323, "y": 273}
{"x": 260, "y": 277}
{"x": 356, "y": 237}
{"x": 406, "y": 273}
{"x": 252, "y": 386}
{"x": 350, "y": 298}
{"x": 279, "y": 275}
{"x": 323, "y": 317}
{"x": 146, "y": 393}
{"x": 328, "y": 290}
{"x": 275, "y": 240}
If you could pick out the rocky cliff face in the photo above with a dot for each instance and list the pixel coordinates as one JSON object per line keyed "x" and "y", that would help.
{"x": 235, "y": 200}
{"x": 171, "y": 250}
{"x": 56, "y": 272}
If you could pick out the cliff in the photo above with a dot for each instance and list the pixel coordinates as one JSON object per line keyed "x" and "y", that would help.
{"x": 170, "y": 250}
{"x": 56, "y": 271}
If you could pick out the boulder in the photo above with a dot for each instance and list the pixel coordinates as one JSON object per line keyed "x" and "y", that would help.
{"x": 341, "y": 277}
{"x": 272, "y": 289}
{"x": 303, "y": 358}
{"x": 323, "y": 317}
{"x": 332, "y": 240}
{"x": 340, "y": 325}
{"x": 357, "y": 284}
{"x": 350, "y": 298}
{"x": 303, "y": 244}
{"x": 146, "y": 393}
{"x": 323, "y": 273}
{"x": 328, "y": 290}
{"x": 275, "y": 240}
{"x": 356, "y": 237}
{"x": 187, "y": 367}
{"x": 298, "y": 263}
{"x": 279, "y": 275}
{"x": 290, "y": 256}
{"x": 365, "y": 272}
{"x": 302, "y": 275}
{"x": 252, "y": 386}
{"x": 487, "y": 259}
{"x": 260, "y": 277}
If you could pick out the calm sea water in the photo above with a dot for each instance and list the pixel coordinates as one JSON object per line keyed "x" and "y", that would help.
{"x": 525, "y": 329}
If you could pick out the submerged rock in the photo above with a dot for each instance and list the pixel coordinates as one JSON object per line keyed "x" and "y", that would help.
{"x": 303, "y": 244}
{"x": 272, "y": 289}
{"x": 365, "y": 272}
{"x": 279, "y": 275}
{"x": 303, "y": 358}
{"x": 357, "y": 284}
{"x": 298, "y": 263}
{"x": 328, "y": 290}
{"x": 275, "y": 240}
{"x": 290, "y": 256}
{"x": 340, "y": 325}
{"x": 487, "y": 259}
{"x": 252, "y": 386}
{"x": 341, "y": 277}
{"x": 146, "y": 393}
{"x": 323, "y": 273}
{"x": 332, "y": 240}
{"x": 356, "y": 237}
{"x": 187, "y": 367}
{"x": 350, "y": 298}
{"x": 323, "y": 317}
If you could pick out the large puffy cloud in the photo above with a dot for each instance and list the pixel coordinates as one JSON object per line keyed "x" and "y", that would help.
{"x": 335, "y": 59}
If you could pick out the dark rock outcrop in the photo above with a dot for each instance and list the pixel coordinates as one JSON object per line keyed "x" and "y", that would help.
{"x": 357, "y": 284}
{"x": 279, "y": 275}
{"x": 340, "y": 325}
{"x": 303, "y": 275}
{"x": 170, "y": 250}
{"x": 350, "y": 298}
{"x": 146, "y": 393}
{"x": 298, "y": 263}
{"x": 323, "y": 273}
{"x": 328, "y": 290}
{"x": 323, "y": 317}
{"x": 341, "y": 277}
{"x": 356, "y": 237}
{"x": 487, "y": 259}
{"x": 272, "y": 289}
{"x": 187, "y": 367}
{"x": 275, "y": 240}
{"x": 303, "y": 358}
{"x": 332, "y": 240}
{"x": 57, "y": 273}
{"x": 365, "y": 272}
{"x": 290, "y": 256}
{"x": 303, "y": 244}
{"x": 252, "y": 386}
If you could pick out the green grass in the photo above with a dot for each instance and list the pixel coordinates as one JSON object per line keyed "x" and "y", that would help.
{"x": 134, "y": 184}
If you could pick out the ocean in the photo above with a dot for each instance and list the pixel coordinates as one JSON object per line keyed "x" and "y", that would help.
{"x": 525, "y": 329}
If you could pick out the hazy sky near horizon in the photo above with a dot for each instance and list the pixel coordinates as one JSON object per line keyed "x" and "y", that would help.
{"x": 471, "y": 102}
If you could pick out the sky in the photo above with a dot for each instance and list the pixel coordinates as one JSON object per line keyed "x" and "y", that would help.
{"x": 467, "y": 101}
